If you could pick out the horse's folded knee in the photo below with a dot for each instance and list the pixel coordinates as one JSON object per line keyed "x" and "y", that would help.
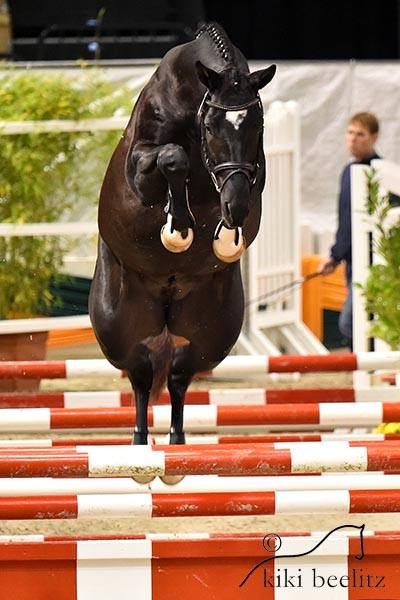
{"x": 172, "y": 158}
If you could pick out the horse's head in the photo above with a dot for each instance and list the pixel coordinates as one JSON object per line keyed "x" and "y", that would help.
{"x": 231, "y": 123}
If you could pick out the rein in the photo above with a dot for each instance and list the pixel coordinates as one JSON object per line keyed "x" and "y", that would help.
{"x": 247, "y": 169}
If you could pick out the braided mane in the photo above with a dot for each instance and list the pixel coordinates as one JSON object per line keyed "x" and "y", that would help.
{"x": 219, "y": 38}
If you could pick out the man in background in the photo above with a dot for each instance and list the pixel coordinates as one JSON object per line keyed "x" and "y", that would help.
{"x": 361, "y": 136}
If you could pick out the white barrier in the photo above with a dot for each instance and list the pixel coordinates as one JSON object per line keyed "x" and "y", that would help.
{"x": 274, "y": 257}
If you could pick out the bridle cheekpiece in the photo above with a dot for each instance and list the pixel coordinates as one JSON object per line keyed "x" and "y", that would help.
{"x": 248, "y": 169}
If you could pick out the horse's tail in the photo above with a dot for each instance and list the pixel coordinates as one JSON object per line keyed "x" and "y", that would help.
{"x": 161, "y": 350}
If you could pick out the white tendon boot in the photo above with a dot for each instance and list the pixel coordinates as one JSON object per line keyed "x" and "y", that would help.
{"x": 228, "y": 244}
{"x": 172, "y": 239}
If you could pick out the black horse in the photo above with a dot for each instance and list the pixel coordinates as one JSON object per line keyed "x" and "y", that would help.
{"x": 191, "y": 165}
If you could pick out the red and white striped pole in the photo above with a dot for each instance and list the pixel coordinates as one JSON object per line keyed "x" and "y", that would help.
{"x": 234, "y": 460}
{"x": 205, "y": 418}
{"x": 199, "y": 504}
{"x": 231, "y": 366}
{"x": 218, "y": 397}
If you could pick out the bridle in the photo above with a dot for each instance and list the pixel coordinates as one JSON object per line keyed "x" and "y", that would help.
{"x": 248, "y": 169}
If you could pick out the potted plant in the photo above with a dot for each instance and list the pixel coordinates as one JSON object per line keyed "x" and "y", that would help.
{"x": 42, "y": 176}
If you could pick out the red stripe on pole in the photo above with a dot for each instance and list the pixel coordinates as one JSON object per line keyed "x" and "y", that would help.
{"x": 232, "y": 461}
{"x": 385, "y": 457}
{"x": 88, "y": 418}
{"x": 44, "y": 465}
{"x": 39, "y": 507}
{"x": 191, "y": 397}
{"x": 274, "y": 414}
{"x": 41, "y": 400}
{"x": 310, "y": 395}
{"x": 213, "y": 504}
{"x": 32, "y": 369}
{"x": 126, "y": 399}
{"x": 391, "y": 411}
{"x": 374, "y": 501}
{"x": 312, "y": 363}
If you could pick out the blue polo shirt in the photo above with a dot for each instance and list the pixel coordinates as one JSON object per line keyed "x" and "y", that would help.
{"x": 341, "y": 250}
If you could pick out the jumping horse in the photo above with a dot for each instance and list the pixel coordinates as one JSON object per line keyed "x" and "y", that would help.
{"x": 180, "y": 201}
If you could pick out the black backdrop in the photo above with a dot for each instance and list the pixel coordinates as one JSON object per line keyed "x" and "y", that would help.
{"x": 262, "y": 29}
{"x": 310, "y": 29}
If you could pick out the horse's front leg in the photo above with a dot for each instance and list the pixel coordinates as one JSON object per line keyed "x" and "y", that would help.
{"x": 156, "y": 172}
{"x": 177, "y": 233}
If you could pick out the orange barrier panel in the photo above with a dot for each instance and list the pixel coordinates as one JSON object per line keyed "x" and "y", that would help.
{"x": 321, "y": 293}
{"x": 70, "y": 337}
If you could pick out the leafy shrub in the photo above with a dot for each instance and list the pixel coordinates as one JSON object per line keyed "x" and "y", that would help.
{"x": 43, "y": 175}
{"x": 382, "y": 288}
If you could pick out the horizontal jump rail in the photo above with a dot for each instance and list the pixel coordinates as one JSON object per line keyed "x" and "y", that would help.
{"x": 229, "y": 459}
{"x": 203, "y": 418}
{"x": 250, "y": 396}
{"x": 231, "y": 366}
{"x": 49, "y": 486}
{"x": 367, "y": 438}
{"x": 199, "y": 504}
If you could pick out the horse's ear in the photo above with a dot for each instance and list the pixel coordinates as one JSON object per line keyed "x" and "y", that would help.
{"x": 210, "y": 78}
{"x": 259, "y": 79}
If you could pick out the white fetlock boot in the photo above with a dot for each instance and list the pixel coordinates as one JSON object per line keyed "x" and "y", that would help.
{"x": 173, "y": 240}
{"x": 228, "y": 244}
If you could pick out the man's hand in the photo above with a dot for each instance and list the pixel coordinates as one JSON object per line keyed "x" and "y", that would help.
{"x": 327, "y": 266}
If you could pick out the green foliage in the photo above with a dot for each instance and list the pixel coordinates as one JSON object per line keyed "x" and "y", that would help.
{"x": 43, "y": 175}
{"x": 382, "y": 288}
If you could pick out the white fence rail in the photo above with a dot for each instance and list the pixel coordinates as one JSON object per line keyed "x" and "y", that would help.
{"x": 274, "y": 258}
{"x": 363, "y": 238}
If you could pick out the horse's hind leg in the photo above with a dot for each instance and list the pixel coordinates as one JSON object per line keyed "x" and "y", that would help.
{"x": 141, "y": 377}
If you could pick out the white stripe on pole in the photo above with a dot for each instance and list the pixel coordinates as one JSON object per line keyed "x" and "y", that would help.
{"x": 25, "y": 419}
{"x": 351, "y": 414}
{"x": 196, "y": 418}
{"x": 377, "y": 394}
{"x": 92, "y": 399}
{"x": 114, "y": 505}
{"x": 108, "y": 568}
{"x": 308, "y": 459}
{"x": 51, "y": 486}
{"x": 242, "y": 365}
{"x": 355, "y": 437}
{"x": 34, "y": 442}
{"x": 90, "y": 367}
{"x": 124, "y": 461}
{"x": 368, "y": 361}
{"x": 231, "y": 397}
{"x": 300, "y": 502}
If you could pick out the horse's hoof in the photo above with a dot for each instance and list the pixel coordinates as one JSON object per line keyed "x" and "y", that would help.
{"x": 143, "y": 478}
{"x": 173, "y": 240}
{"x": 171, "y": 479}
{"x": 228, "y": 244}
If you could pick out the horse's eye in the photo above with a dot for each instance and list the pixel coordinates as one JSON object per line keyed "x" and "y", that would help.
{"x": 208, "y": 129}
